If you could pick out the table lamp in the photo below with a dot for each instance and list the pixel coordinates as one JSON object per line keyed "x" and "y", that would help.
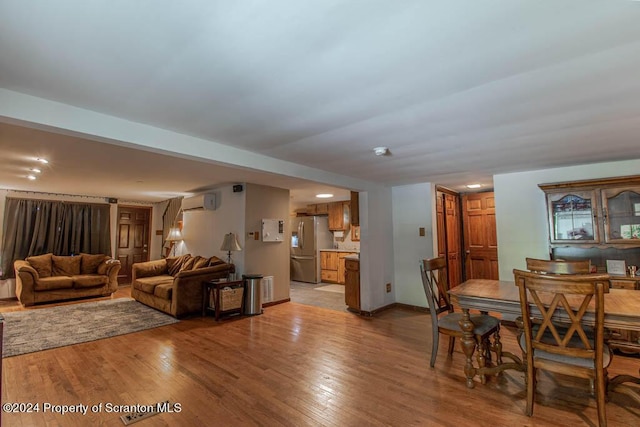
{"x": 230, "y": 244}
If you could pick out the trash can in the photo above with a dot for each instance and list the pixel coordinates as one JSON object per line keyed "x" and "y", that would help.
{"x": 252, "y": 294}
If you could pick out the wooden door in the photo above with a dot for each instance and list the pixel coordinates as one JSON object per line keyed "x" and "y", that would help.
{"x": 448, "y": 223}
{"x": 454, "y": 244}
{"x": 132, "y": 239}
{"x": 442, "y": 233}
{"x": 480, "y": 238}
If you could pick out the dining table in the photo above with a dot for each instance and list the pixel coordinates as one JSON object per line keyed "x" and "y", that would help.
{"x": 622, "y": 311}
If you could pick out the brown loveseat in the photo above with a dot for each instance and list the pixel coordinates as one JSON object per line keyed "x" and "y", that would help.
{"x": 174, "y": 285}
{"x": 48, "y": 277}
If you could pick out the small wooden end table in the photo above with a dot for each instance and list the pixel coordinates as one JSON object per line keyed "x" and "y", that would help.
{"x": 217, "y": 286}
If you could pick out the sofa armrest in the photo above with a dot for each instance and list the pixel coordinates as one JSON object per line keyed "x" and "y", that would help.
{"x": 148, "y": 268}
{"x": 26, "y": 277}
{"x": 22, "y": 266}
{"x": 187, "y": 287}
{"x": 111, "y": 269}
{"x": 107, "y": 265}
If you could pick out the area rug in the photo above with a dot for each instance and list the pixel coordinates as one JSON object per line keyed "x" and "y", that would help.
{"x": 45, "y": 328}
{"x": 331, "y": 288}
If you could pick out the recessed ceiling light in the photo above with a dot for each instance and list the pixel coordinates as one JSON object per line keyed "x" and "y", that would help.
{"x": 41, "y": 160}
{"x": 381, "y": 151}
{"x": 474, "y": 185}
{"x": 31, "y": 177}
{"x": 35, "y": 170}
{"x": 324, "y": 196}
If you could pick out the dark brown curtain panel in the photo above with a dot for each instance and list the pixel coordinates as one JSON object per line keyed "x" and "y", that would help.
{"x": 35, "y": 227}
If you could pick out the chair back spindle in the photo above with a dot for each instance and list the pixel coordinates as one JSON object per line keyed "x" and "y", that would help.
{"x": 436, "y": 287}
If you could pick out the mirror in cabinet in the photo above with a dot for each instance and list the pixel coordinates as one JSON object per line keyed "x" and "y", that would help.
{"x": 621, "y": 214}
{"x": 572, "y": 217}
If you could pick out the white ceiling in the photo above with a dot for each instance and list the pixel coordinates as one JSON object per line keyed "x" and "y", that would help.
{"x": 458, "y": 90}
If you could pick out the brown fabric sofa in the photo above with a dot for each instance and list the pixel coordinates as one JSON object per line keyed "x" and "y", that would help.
{"x": 174, "y": 285}
{"x": 48, "y": 277}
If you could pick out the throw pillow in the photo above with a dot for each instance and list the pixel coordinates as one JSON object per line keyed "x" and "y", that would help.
{"x": 89, "y": 263}
{"x": 175, "y": 264}
{"x": 188, "y": 264}
{"x": 65, "y": 265}
{"x": 41, "y": 263}
{"x": 214, "y": 260}
{"x": 200, "y": 262}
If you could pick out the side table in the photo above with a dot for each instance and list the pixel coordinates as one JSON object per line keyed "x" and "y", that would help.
{"x": 216, "y": 286}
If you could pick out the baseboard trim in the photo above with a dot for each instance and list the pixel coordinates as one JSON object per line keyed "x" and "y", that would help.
{"x": 390, "y": 306}
{"x": 272, "y": 303}
{"x": 413, "y": 307}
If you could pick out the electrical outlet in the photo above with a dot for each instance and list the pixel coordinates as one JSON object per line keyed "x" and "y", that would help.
{"x": 388, "y": 287}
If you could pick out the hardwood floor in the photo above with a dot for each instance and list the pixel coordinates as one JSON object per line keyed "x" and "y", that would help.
{"x": 294, "y": 365}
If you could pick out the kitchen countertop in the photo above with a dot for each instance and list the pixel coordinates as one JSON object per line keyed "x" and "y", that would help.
{"x": 355, "y": 251}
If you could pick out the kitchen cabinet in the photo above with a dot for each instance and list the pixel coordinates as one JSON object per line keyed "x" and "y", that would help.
{"x": 355, "y": 233}
{"x": 332, "y": 264}
{"x": 600, "y": 212}
{"x": 352, "y": 284}
{"x": 355, "y": 208}
{"x": 318, "y": 209}
{"x": 322, "y": 208}
{"x": 329, "y": 266}
{"x": 338, "y": 216}
{"x": 341, "y": 265}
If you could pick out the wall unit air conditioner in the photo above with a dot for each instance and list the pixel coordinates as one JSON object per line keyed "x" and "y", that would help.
{"x": 204, "y": 201}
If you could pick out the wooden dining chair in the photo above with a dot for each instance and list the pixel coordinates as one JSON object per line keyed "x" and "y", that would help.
{"x": 558, "y": 266}
{"x": 555, "y": 337}
{"x": 434, "y": 281}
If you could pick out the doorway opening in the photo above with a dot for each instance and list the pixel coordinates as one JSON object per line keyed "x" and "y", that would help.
{"x": 325, "y": 295}
{"x": 466, "y": 230}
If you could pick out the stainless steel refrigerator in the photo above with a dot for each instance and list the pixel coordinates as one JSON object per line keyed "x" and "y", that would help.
{"x": 309, "y": 234}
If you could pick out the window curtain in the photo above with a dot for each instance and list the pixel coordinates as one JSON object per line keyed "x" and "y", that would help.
{"x": 35, "y": 227}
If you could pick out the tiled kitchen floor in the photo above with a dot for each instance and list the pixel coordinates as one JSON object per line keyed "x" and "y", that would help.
{"x": 306, "y": 293}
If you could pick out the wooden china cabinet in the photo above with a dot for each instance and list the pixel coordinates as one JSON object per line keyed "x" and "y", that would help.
{"x": 594, "y": 212}
{"x": 599, "y": 220}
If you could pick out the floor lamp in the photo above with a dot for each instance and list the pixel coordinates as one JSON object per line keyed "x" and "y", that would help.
{"x": 174, "y": 236}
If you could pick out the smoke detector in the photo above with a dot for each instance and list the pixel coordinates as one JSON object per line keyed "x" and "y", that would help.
{"x": 381, "y": 151}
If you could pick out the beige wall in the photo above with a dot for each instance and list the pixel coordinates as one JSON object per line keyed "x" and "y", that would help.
{"x": 267, "y": 258}
{"x": 413, "y": 208}
{"x": 203, "y": 231}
